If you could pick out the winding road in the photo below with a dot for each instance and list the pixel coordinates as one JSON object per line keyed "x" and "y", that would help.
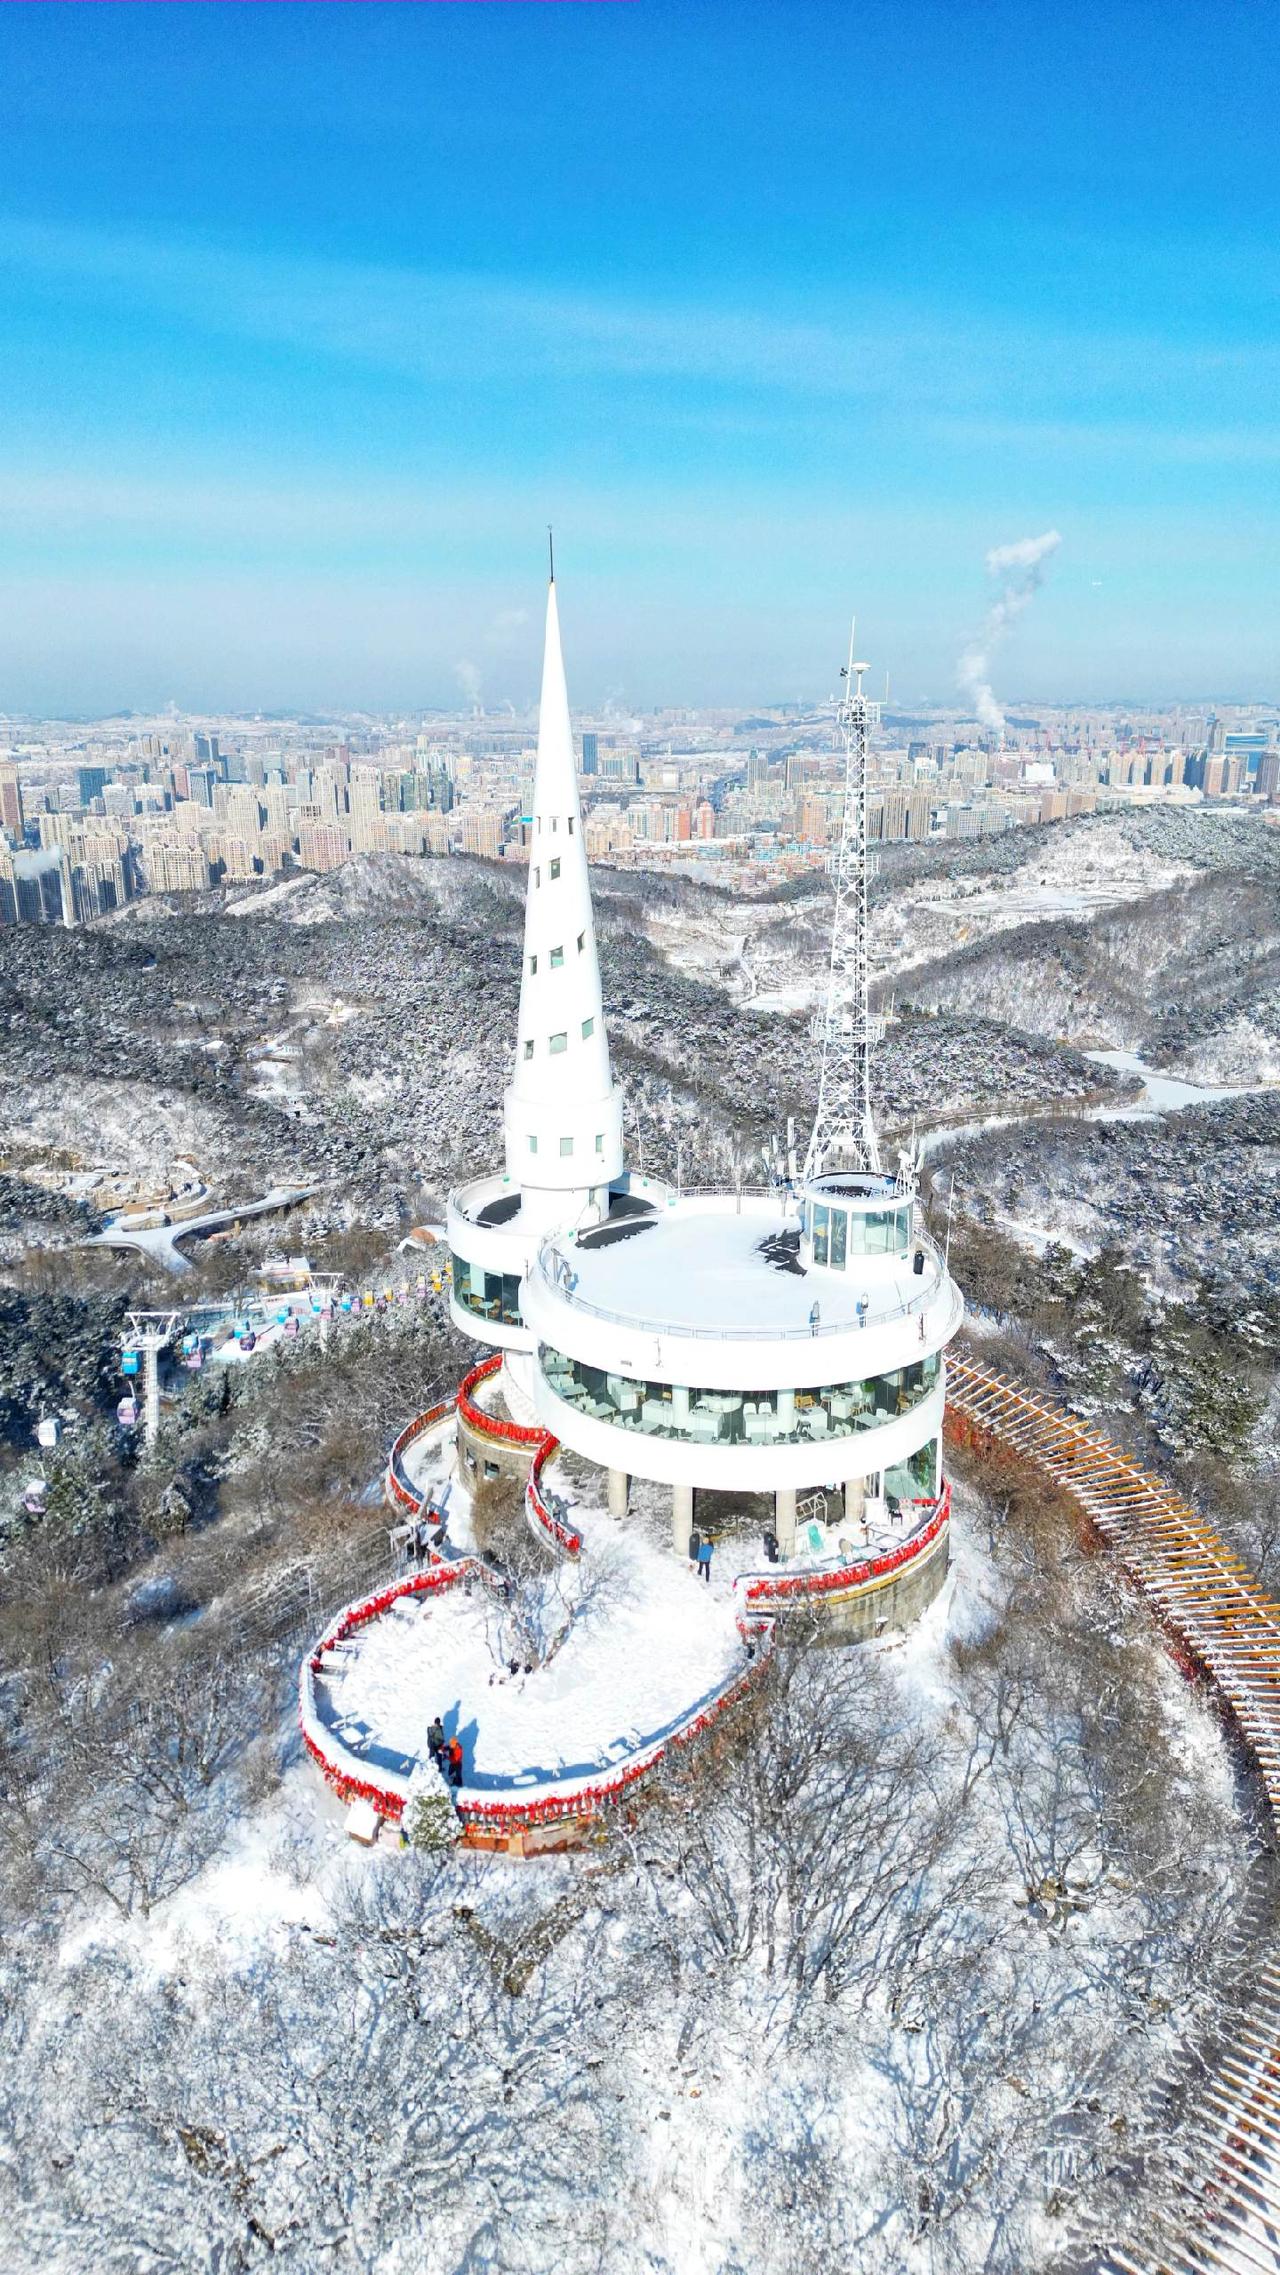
{"x": 160, "y": 1242}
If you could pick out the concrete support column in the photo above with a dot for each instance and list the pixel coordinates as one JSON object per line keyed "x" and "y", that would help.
{"x": 784, "y": 1521}
{"x": 855, "y": 1500}
{"x": 681, "y": 1518}
{"x": 619, "y": 1485}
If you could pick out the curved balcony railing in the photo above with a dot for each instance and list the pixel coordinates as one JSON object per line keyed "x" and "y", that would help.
{"x": 784, "y": 1591}
{"x": 548, "y": 1801}
{"x": 488, "y": 1425}
{"x": 576, "y": 1800}
{"x": 555, "y": 1269}
{"x": 543, "y": 1518}
{"x": 400, "y": 1488}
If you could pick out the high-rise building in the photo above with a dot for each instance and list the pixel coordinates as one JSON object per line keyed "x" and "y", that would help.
{"x": 590, "y": 753}
{"x": 31, "y": 889}
{"x": 919, "y": 815}
{"x": 92, "y": 781}
{"x": 481, "y": 832}
{"x": 367, "y": 834}
{"x": 244, "y": 814}
{"x": 814, "y": 821}
{"x": 322, "y": 845}
{"x": 11, "y": 816}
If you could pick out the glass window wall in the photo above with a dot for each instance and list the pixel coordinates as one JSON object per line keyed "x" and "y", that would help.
{"x": 840, "y": 1236}
{"x": 915, "y": 1479}
{"x": 737, "y": 1417}
{"x": 487, "y": 1295}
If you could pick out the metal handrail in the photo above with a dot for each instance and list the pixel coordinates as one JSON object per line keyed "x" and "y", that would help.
{"x": 805, "y": 1334}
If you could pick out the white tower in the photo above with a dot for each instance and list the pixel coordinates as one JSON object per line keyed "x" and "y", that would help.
{"x": 562, "y": 1113}
{"x": 844, "y": 1135}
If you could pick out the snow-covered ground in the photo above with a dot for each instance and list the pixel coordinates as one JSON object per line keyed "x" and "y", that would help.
{"x": 647, "y": 1645}
{"x": 612, "y": 2053}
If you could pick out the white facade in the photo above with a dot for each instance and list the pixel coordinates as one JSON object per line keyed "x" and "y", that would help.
{"x": 562, "y": 1115}
{"x": 706, "y": 1349}
{"x": 767, "y": 1343}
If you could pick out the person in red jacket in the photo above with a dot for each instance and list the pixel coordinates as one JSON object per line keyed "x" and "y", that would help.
{"x": 453, "y": 1762}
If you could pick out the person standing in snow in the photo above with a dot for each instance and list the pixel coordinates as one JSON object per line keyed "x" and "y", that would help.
{"x": 435, "y": 1741}
{"x": 695, "y": 1544}
{"x": 704, "y": 1559}
{"x": 453, "y": 1762}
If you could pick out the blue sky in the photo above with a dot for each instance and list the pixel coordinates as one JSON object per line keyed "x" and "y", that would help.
{"x": 313, "y": 316}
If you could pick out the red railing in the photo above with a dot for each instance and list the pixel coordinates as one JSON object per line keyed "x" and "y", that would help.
{"x": 398, "y": 1486}
{"x": 492, "y": 1425}
{"x": 765, "y": 1592}
{"x": 761, "y": 1597}
{"x": 583, "y": 1799}
{"x": 338, "y": 1773}
{"x": 562, "y": 1536}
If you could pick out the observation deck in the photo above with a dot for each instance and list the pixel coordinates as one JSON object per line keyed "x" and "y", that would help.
{"x": 494, "y": 1236}
{"x": 727, "y": 1273}
{"x": 699, "y": 1345}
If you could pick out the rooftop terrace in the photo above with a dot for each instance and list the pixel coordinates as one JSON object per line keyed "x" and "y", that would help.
{"x": 713, "y": 1266}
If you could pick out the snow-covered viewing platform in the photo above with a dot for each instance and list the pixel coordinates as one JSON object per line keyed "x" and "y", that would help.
{"x": 637, "y": 1653}
{"x": 633, "y": 1657}
{"x": 728, "y": 1265}
{"x": 751, "y": 1382}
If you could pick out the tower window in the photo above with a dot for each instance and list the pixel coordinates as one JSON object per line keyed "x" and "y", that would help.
{"x": 571, "y": 825}
{"x": 557, "y": 958}
{"x": 528, "y": 1049}
{"x": 588, "y": 1028}
{"x": 582, "y": 942}
{"x": 559, "y": 1043}
{"x": 553, "y": 822}
{"x": 533, "y": 966}
{"x": 566, "y": 1148}
{"x": 555, "y": 871}
{"x": 600, "y": 1141}
{"x": 537, "y": 876}
{"x": 533, "y": 1145}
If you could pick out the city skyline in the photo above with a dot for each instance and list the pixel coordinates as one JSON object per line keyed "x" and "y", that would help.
{"x": 312, "y": 327}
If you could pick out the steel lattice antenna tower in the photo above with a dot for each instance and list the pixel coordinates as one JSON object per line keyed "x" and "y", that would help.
{"x": 150, "y": 1332}
{"x": 844, "y": 1135}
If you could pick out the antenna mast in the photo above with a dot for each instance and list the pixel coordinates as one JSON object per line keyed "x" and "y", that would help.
{"x": 844, "y": 1135}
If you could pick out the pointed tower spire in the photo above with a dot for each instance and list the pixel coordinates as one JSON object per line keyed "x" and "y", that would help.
{"x": 563, "y": 1114}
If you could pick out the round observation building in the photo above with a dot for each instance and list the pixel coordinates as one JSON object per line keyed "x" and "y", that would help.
{"x": 776, "y": 1343}
{"x": 786, "y": 1343}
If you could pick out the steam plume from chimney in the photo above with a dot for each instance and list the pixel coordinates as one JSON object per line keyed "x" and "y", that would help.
{"x": 1017, "y": 572}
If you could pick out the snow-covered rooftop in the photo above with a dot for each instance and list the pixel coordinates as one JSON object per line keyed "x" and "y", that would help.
{"x": 701, "y": 1269}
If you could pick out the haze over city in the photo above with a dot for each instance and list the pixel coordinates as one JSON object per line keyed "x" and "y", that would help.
{"x": 315, "y": 318}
